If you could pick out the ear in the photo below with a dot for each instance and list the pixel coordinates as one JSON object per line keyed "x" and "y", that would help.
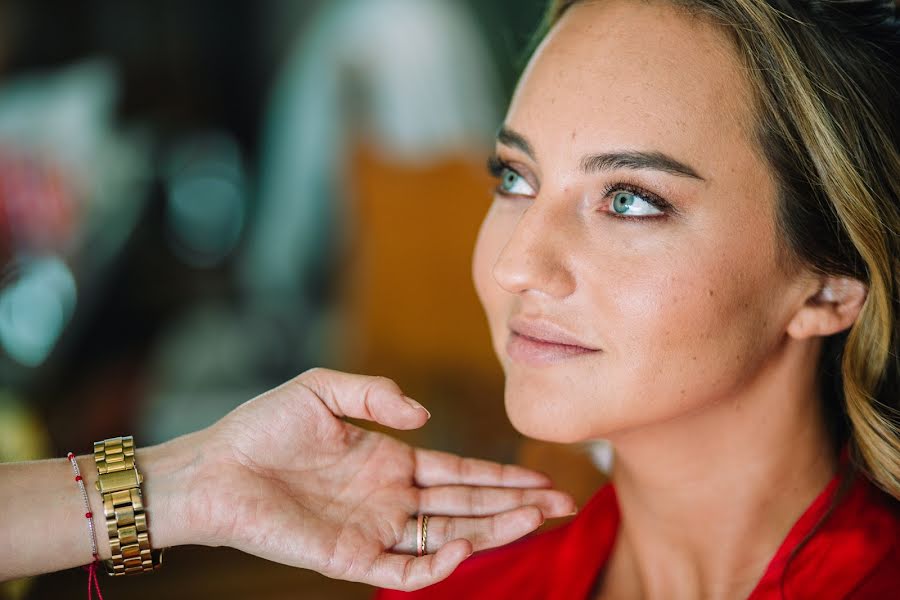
{"x": 831, "y": 309}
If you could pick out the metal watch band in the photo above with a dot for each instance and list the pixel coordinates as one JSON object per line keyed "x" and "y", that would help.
{"x": 119, "y": 484}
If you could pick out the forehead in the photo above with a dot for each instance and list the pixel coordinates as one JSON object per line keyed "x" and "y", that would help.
{"x": 634, "y": 74}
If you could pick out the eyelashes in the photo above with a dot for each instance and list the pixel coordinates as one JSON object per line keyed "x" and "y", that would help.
{"x": 649, "y": 197}
{"x": 499, "y": 168}
{"x": 495, "y": 166}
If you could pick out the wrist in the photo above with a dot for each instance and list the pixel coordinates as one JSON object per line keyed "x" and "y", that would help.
{"x": 170, "y": 471}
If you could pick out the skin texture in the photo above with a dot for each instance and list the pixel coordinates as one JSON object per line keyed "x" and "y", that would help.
{"x": 708, "y": 335}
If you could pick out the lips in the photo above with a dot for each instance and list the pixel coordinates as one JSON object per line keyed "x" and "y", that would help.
{"x": 542, "y": 342}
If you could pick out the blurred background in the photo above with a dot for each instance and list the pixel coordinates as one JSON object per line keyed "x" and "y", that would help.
{"x": 200, "y": 199}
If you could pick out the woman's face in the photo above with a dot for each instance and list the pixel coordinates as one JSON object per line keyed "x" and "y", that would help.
{"x": 633, "y": 228}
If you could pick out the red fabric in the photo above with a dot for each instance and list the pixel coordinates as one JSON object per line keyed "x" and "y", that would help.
{"x": 854, "y": 554}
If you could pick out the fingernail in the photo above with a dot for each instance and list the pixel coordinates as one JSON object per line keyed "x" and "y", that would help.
{"x": 416, "y": 405}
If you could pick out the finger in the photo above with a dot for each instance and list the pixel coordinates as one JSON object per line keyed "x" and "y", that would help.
{"x": 441, "y": 468}
{"x": 483, "y": 532}
{"x": 466, "y": 501}
{"x": 376, "y": 399}
{"x": 409, "y": 573}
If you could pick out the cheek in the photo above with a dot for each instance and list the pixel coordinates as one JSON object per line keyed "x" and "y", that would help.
{"x": 684, "y": 323}
{"x": 693, "y": 330}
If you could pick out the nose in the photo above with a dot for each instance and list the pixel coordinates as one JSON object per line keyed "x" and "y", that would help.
{"x": 535, "y": 258}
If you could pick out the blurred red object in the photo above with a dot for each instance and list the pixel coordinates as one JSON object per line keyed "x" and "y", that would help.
{"x": 38, "y": 205}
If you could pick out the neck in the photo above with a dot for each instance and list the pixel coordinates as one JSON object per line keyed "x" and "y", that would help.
{"x": 707, "y": 499}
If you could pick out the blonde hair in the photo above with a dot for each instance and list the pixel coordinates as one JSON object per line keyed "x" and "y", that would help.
{"x": 826, "y": 76}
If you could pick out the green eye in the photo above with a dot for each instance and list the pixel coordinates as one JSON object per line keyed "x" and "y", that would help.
{"x": 630, "y": 204}
{"x": 510, "y": 178}
{"x": 513, "y": 184}
{"x": 622, "y": 201}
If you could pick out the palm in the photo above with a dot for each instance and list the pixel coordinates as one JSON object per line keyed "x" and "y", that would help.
{"x": 311, "y": 490}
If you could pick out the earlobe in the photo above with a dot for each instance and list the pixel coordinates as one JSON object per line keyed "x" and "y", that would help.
{"x": 831, "y": 309}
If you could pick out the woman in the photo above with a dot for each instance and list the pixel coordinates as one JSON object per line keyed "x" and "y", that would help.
{"x": 693, "y": 253}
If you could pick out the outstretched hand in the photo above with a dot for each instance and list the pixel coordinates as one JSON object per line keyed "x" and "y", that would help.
{"x": 292, "y": 482}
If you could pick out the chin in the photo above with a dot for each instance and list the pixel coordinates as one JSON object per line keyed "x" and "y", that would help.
{"x": 552, "y": 409}
{"x": 532, "y": 415}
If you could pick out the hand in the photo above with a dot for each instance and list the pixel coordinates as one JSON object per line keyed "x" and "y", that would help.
{"x": 290, "y": 481}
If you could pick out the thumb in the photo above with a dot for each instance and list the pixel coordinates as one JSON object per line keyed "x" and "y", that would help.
{"x": 377, "y": 399}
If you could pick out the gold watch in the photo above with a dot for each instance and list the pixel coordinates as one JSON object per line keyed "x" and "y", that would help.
{"x": 119, "y": 483}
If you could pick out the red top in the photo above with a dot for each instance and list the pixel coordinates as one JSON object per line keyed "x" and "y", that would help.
{"x": 854, "y": 554}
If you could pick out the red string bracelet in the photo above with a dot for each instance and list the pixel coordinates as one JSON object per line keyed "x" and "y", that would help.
{"x": 93, "y": 580}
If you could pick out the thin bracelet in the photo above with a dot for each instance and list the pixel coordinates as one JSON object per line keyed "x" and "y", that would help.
{"x": 93, "y": 580}
{"x": 87, "y": 506}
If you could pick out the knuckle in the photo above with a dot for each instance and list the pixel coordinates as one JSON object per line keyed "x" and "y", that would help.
{"x": 476, "y": 536}
{"x": 313, "y": 373}
{"x": 463, "y": 468}
{"x": 384, "y": 383}
{"x": 494, "y": 527}
{"x": 525, "y": 496}
{"x": 448, "y": 532}
{"x": 316, "y": 378}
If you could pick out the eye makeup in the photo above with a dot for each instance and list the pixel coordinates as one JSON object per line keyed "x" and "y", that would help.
{"x": 506, "y": 173}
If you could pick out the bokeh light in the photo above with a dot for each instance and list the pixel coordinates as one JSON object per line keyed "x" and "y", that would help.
{"x": 35, "y": 308}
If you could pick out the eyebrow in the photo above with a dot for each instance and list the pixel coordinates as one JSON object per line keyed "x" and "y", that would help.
{"x": 631, "y": 159}
{"x": 508, "y": 137}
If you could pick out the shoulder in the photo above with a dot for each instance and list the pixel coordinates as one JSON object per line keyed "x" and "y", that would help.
{"x": 524, "y": 568}
{"x": 850, "y": 553}
{"x": 882, "y": 539}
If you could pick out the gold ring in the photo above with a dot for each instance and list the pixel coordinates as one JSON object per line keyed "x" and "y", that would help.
{"x": 422, "y": 535}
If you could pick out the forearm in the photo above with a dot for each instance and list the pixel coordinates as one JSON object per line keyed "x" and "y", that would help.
{"x": 42, "y": 521}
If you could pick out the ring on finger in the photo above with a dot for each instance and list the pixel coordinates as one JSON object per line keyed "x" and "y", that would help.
{"x": 422, "y": 535}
